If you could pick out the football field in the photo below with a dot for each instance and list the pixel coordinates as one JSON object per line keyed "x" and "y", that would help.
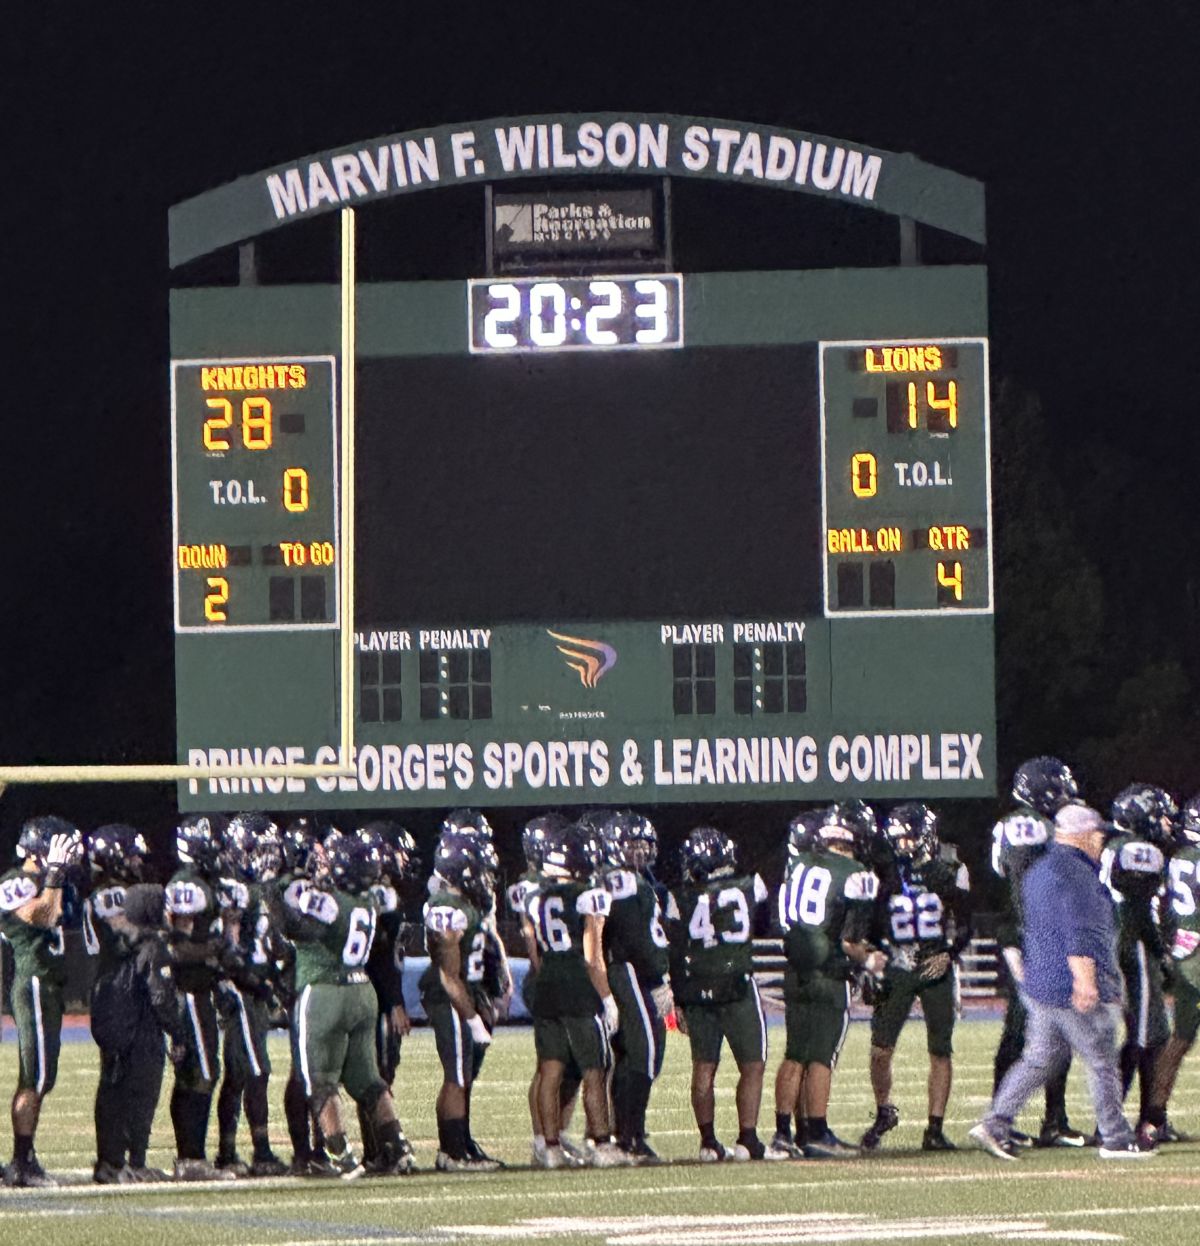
{"x": 897, "y": 1194}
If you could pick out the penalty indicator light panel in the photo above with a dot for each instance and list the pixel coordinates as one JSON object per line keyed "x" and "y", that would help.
{"x": 906, "y": 469}
{"x": 255, "y": 494}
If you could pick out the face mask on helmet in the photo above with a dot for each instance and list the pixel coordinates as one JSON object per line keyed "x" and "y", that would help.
{"x": 1145, "y": 810}
{"x": 538, "y": 833}
{"x": 708, "y": 853}
{"x": 1187, "y": 824}
{"x": 469, "y": 820}
{"x": 117, "y": 852}
{"x": 911, "y": 829}
{"x": 1045, "y": 785}
{"x": 575, "y": 854}
{"x": 199, "y": 839}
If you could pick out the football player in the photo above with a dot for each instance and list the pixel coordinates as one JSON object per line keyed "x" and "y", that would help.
{"x": 635, "y": 946}
{"x": 1041, "y": 787}
{"x": 125, "y": 1097}
{"x": 1185, "y": 977}
{"x": 1134, "y": 865}
{"x": 332, "y": 923}
{"x": 385, "y": 968}
{"x": 826, "y": 907}
{"x": 194, "y": 922}
{"x": 252, "y": 857}
{"x": 712, "y": 917}
{"x": 460, "y": 892}
{"x": 928, "y": 925}
{"x": 534, "y": 836}
{"x": 574, "y": 1012}
{"x": 49, "y": 851}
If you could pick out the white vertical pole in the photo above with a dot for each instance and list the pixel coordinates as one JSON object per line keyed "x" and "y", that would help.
{"x": 346, "y": 567}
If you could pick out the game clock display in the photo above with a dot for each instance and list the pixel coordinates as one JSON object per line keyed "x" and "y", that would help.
{"x": 255, "y": 484}
{"x": 575, "y": 313}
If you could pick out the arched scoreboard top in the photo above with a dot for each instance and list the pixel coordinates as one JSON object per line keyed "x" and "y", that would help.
{"x": 583, "y": 527}
{"x": 576, "y": 144}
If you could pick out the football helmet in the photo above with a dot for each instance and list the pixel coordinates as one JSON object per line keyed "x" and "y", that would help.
{"x": 630, "y": 840}
{"x": 355, "y": 859}
{"x": 707, "y": 853}
{"x": 849, "y": 822}
{"x": 199, "y": 840}
{"x": 575, "y": 852}
{"x": 1187, "y": 825}
{"x": 467, "y": 862}
{"x": 912, "y": 830}
{"x": 400, "y": 860}
{"x": 1044, "y": 784}
{"x": 802, "y": 831}
{"x": 467, "y": 820}
{"x": 1145, "y": 810}
{"x": 537, "y": 833}
{"x": 118, "y": 852}
{"x": 249, "y": 836}
{"x": 36, "y": 833}
{"x": 302, "y": 852}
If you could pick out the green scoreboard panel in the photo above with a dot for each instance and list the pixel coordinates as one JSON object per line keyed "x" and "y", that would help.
{"x": 619, "y": 538}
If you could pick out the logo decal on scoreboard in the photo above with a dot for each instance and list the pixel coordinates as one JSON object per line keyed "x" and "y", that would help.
{"x": 593, "y": 659}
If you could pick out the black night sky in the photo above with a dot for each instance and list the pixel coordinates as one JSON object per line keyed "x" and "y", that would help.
{"x": 1076, "y": 117}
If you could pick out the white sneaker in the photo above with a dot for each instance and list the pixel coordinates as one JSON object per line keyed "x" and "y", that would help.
{"x": 555, "y": 1157}
{"x": 447, "y": 1163}
{"x": 539, "y": 1152}
{"x": 1131, "y": 1150}
{"x": 782, "y": 1148}
{"x": 606, "y": 1155}
{"x": 576, "y": 1158}
{"x": 987, "y": 1141}
{"x": 713, "y": 1155}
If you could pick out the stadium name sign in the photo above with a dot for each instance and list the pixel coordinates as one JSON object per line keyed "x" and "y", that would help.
{"x": 596, "y": 766}
{"x": 564, "y": 145}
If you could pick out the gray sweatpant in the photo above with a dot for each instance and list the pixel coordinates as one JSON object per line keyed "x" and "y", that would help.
{"x": 1051, "y": 1035}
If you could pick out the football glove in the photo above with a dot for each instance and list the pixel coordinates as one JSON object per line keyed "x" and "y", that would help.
{"x": 65, "y": 851}
{"x": 612, "y": 1018}
{"x": 664, "y": 1001}
{"x": 479, "y": 1032}
{"x": 937, "y": 966}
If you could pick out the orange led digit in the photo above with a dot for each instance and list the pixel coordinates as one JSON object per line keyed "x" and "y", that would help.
{"x": 256, "y": 423}
{"x": 216, "y": 598}
{"x": 295, "y": 490}
{"x": 864, "y": 475}
{"x": 212, "y": 438}
{"x": 948, "y": 405}
{"x": 950, "y": 576}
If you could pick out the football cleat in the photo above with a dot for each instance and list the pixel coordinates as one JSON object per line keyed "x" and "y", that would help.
{"x": 714, "y": 1154}
{"x": 105, "y": 1173}
{"x": 145, "y": 1175}
{"x": 987, "y": 1141}
{"x": 475, "y": 1152}
{"x": 28, "y": 1175}
{"x": 644, "y": 1154}
{"x": 347, "y": 1166}
{"x": 1019, "y": 1140}
{"x": 201, "y": 1170}
{"x": 886, "y": 1119}
{"x": 1059, "y": 1135}
{"x": 743, "y": 1152}
{"x": 935, "y": 1140}
{"x": 269, "y": 1165}
{"x": 574, "y": 1153}
{"x": 553, "y": 1156}
{"x": 1135, "y": 1149}
{"x": 782, "y": 1147}
{"x": 1167, "y": 1132}
{"x": 450, "y": 1163}
{"x": 828, "y": 1146}
{"x": 606, "y": 1155}
{"x": 234, "y": 1164}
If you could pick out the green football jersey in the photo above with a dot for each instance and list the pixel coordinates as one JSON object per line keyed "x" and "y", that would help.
{"x": 633, "y": 929}
{"x": 1185, "y": 909}
{"x": 446, "y": 911}
{"x": 1135, "y": 871}
{"x": 38, "y": 951}
{"x": 99, "y": 938}
{"x": 711, "y": 928}
{"x": 333, "y": 932}
{"x": 557, "y": 908}
{"x": 190, "y": 895}
{"x": 924, "y": 916}
{"x": 824, "y": 898}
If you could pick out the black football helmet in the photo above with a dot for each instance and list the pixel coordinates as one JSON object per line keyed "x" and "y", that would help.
{"x": 467, "y": 820}
{"x": 467, "y": 862}
{"x": 199, "y": 840}
{"x": 303, "y": 855}
{"x": 802, "y": 832}
{"x": 577, "y": 852}
{"x": 1187, "y": 824}
{"x": 355, "y": 860}
{"x": 849, "y": 822}
{"x": 117, "y": 852}
{"x": 912, "y": 830}
{"x": 36, "y": 833}
{"x": 539, "y": 831}
{"x": 1145, "y": 810}
{"x": 707, "y": 853}
{"x": 630, "y": 840}
{"x": 400, "y": 860}
{"x": 249, "y": 837}
{"x": 1044, "y": 784}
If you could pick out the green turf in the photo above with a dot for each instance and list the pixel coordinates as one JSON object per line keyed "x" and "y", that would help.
{"x": 899, "y": 1194}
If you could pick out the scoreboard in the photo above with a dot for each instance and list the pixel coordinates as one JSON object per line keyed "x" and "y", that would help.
{"x": 621, "y": 536}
